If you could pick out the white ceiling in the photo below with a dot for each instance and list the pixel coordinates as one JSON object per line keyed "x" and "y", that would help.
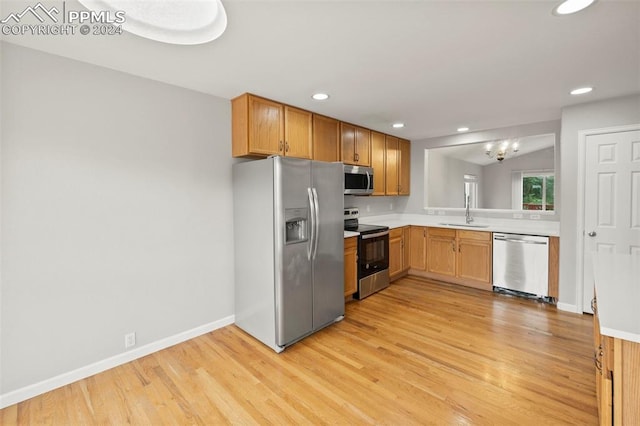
{"x": 475, "y": 152}
{"x": 435, "y": 65}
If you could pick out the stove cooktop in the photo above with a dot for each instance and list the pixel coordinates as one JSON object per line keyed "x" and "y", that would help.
{"x": 366, "y": 229}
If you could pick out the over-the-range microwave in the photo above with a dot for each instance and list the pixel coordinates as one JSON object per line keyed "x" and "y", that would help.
{"x": 358, "y": 180}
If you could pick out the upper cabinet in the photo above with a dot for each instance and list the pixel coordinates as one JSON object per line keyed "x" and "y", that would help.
{"x": 326, "y": 138}
{"x": 356, "y": 144}
{"x": 378, "y": 163}
{"x": 262, "y": 127}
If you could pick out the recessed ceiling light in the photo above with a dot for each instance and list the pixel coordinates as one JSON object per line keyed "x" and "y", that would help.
{"x": 320, "y": 96}
{"x": 398, "y": 125}
{"x": 463, "y": 129}
{"x": 174, "y": 22}
{"x": 568, "y": 7}
{"x": 581, "y": 90}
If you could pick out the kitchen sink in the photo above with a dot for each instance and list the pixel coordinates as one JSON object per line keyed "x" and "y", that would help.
{"x": 465, "y": 225}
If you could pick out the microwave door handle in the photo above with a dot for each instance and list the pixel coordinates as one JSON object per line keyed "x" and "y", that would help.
{"x": 368, "y": 180}
{"x": 316, "y": 222}
{"x": 312, "y": 219}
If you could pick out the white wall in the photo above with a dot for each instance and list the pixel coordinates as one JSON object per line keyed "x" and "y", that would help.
{"x": 378, "y": 205}
{"x": 595, "y": 115}
{"x": 496, "y": 177}
{"x": 116, "y": 214}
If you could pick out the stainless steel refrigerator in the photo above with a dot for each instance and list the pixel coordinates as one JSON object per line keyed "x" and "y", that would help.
{"x": 289, "y": 248}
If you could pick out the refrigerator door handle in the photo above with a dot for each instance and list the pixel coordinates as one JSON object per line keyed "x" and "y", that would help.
{"x": 312, "y": 215}
{"x": 316, "y": 222}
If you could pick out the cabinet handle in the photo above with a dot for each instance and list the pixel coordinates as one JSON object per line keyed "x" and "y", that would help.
{"x": 279, "y": 146}
{"x": 453, "y": 245}
{"x": 286, "y": 146}
{"x": 594, "y": 306}
{"x": 424, "y": 232}
{"x": 356, "y": 157}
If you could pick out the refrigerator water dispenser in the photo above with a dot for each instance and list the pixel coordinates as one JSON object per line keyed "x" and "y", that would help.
{"x": 296, "y": 225}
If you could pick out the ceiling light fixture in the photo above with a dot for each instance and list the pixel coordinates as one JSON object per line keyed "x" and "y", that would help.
{"x": 581, "y": 90}
{"x": 568, "y": 7}
{"x": 463, "y": 129}
{"x": 501, "y": 150}
{"x": 320, "y": 96}
{"x": 172, "y": 21}
{"x": 398, "y": 125}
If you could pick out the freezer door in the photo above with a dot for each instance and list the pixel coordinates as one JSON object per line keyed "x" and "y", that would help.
{"x": 293, "y": 274}
{"x": 328, "y": 253}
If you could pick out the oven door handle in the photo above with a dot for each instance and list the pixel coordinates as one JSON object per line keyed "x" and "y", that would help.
{"x": 377, "y": 234}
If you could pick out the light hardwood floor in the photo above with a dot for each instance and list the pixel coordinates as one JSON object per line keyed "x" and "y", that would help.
{"x": 417, "y": 353}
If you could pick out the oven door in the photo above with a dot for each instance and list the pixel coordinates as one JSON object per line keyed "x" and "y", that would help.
{"x": 373, "y": 253}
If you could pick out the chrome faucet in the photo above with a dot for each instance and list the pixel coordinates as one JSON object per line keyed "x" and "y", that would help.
{"x": 467, "y": 213}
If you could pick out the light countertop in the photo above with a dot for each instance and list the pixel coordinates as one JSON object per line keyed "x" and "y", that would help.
{"x": 618, "y": 291}
{"x": 348, "y": 234}
{"x": 514, "y": 226}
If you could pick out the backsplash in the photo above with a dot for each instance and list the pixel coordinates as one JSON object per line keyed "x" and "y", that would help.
{"x": 375, "y": 206}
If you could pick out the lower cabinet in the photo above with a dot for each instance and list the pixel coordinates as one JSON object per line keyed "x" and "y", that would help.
{"x": 399, "y": 252}
{"x": 350, "y": 266}
{"x": 617, "y": 363}
{"x": 456, "y": 256}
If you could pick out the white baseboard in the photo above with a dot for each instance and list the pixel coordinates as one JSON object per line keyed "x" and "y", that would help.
{"x": 567, "y": 307}
{"x": 64, "y": 379}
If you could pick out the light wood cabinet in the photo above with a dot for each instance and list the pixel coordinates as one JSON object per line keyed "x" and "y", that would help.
{"x": 350, "y": 266}
{"x": 457, "y": 256}
{"x": 404, "y": 167}
{"x": 474, "y": 261}
{"x": 418, "y": 248}
{"x": 378, "y": 158}
{"x": 398, "y": 252}
{"x": 441, "y": 251}
{"x": 261, "y": 127}
{"x": 554, "y": 267}
{"x": 617, "y": 363}
{"x": 326, "y": 138}
{"x": 356, "y": 144}
{"x": 397, "y": 166}
{"x": 391, "y": 167}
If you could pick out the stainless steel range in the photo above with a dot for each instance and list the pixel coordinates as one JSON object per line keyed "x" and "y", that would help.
{"x": 373, "y": 254}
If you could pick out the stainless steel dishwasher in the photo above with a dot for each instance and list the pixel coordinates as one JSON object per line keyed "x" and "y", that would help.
{"x": 521, "y": 263}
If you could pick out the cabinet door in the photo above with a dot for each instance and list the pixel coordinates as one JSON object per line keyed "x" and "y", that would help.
{"x": 474, "y": 260}
{"x": 348, "y": 143}
{"x": 266, "y": 127}
{"x": 363, "y": 146}
{"x": 441, "y": 251}
{"x": 326, "y": 138}
{"x": 395, "y": 251}
{"x": 392, "y": 165}
{"x": 350, "y": 265}
{"x": 404, "y": 167}
{"x": 378, "y": 162}
{"x": 297, "y": 126}
{"x": 418, "y": 248}
{"x": 406, "y": 245}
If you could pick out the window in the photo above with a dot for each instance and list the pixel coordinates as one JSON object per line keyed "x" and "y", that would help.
{"x": 537, "y": 191}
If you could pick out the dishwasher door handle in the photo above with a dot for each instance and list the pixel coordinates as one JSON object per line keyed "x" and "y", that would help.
{"x": 513, "y": 240}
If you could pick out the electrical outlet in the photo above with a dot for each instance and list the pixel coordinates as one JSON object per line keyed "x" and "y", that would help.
{"x": 517, "y": 215}
{"x": 441, "y": 213}
{"x": 535, "y": 216}
{"x": 430, "y": 211}
{"x": 390, "y": 206}
{"x": 129, "y": 340}
{"x": 368, "y": 208}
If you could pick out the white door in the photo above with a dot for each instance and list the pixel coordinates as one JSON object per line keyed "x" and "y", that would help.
{"x": 612, "y": 199}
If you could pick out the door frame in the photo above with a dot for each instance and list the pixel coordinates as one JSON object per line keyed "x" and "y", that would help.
{"x": 580, "y": 211}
